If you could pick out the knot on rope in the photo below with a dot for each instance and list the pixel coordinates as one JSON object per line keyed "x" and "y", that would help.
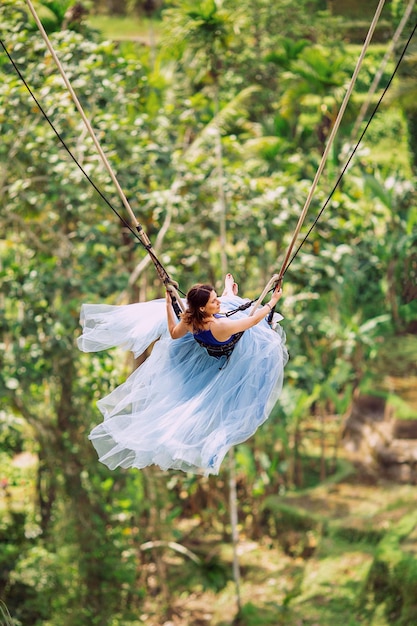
{"x": 168, "y": 282}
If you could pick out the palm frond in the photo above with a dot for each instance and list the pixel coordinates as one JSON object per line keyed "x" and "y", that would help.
{"x": 235, "y": 109}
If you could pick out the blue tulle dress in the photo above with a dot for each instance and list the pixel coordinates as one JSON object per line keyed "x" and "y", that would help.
{"x": 182, "y": 408}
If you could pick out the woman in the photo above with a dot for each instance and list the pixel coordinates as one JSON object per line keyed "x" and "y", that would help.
{"x": 184, "y": 408}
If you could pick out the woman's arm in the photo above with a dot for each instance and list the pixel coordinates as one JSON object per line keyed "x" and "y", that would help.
{"x": 176, "y": 328}
{"x": 225, "y": 327}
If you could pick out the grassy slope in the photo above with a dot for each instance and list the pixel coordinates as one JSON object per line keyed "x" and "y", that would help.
{"x": 324, "y": 582}
{"x": 323, "y": 560}
{"x": 124, "y": 28}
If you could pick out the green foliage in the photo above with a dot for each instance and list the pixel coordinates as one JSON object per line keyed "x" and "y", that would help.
{"x": 370, "y": 536}
{"x": 270, "y": 615}
{"x": 5, "y": 615}
{"x": 52, "y": 13}
{"x": 288, "y": 517}
{"x": 278, "y": 78}
{"x": 392, "y": 577}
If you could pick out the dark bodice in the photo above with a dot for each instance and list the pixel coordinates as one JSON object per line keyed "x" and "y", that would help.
{"x": 213, "y": 346}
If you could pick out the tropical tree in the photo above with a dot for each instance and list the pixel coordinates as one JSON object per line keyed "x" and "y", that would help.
{"x": 56, "y": 254}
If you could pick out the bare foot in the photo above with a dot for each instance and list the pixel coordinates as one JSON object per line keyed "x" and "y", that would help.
{"x": 230, "y": 287}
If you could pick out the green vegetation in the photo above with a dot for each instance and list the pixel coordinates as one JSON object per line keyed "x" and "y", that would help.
{"x": 121, "y": 28}
{"x": 250, "y": 89}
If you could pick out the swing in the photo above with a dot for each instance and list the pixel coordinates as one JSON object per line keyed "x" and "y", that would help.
{"x": 137, "y": 229}
{"x": 202, "y": 411}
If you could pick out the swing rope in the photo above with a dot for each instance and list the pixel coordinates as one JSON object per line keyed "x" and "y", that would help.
{"x": 161, "y": 270}
{"x": 352, "y": 154}
{"x": 383, "y": 64}
{"x": 277, "y": 278}
{"x": 332, "y": 135}
{"x": 163, "y": 274}
{"x": 141, "y": 235}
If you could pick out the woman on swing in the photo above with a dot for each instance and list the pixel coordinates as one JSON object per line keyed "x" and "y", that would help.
{"x": 187, "y": 404}
{"x": 203, "y": 318}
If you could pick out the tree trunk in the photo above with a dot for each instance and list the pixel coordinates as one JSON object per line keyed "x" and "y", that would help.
{"x": 412, "y": 139}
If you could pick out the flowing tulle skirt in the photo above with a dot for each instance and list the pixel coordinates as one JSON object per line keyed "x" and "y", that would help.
{"x": 181, "y": 409}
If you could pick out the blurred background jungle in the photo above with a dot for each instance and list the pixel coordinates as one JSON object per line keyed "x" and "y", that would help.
{"x": 214, "y": 115}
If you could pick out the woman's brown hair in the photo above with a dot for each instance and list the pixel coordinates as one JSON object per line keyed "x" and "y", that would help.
{"x": 197, "y": 297}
